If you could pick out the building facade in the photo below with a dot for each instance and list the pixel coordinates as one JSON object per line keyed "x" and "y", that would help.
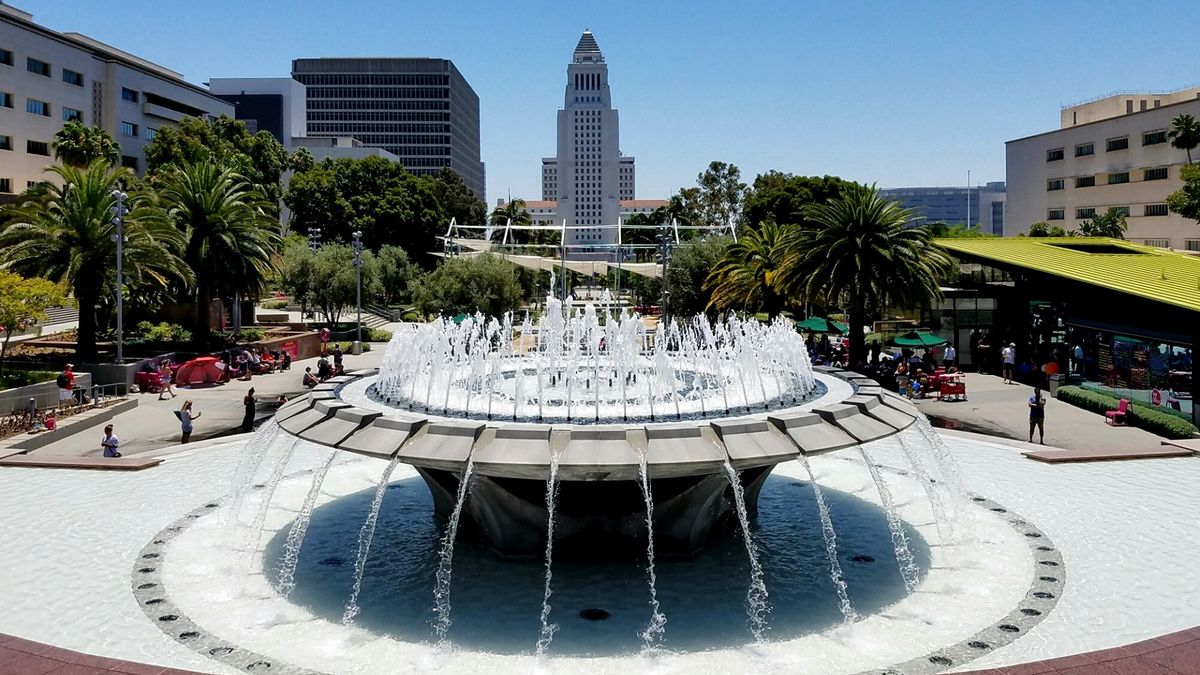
{"x": 589, "y": 176}
{"x": 272, "y": 104}
{"x": 950, "y": 205}
{"x": 545, "y": 212}
{"x": 422, "y": 110}
{"x": 1110, "y": 153}
{"x": 48, "y": 78}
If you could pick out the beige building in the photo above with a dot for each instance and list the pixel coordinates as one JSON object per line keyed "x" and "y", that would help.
{"x": 1111, "y": 152}
{"x": 48, "y": 77}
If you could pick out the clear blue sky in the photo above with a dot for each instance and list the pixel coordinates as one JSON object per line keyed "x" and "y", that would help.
{"x": 912, "y": 94}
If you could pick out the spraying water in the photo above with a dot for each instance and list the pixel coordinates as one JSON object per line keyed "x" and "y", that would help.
{"x": 441, "y": 593}
{"x": 251, "y": 458}
{"x": 827, "y": 531}
{"x": 268, "y": 494}
{"x": 757, "y": 607}
{"x": 295, "y": 536}
{"x": 904, "y": 557}
{"x": 547, "y": 631}
{"x": 365, "y": 534}
{"x": 653, "y": 634}
{"x": 927, "y": 482}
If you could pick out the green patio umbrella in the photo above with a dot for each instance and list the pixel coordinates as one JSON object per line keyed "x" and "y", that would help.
{"x": 819, "y": 324}
{"x": 459, "y": 318}
{"x": 918, "y": 338}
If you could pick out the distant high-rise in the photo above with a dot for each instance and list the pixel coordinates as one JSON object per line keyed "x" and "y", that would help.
{"x": 589, "y": 177}
{"x": 420, "y": 109}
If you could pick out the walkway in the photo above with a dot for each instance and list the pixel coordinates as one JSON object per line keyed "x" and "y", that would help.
{"x": 25, "y": 657}
{"x": 1173, "y": 654}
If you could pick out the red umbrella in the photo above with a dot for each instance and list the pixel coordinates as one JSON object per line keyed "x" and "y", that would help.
{"x": 203, "y": 370}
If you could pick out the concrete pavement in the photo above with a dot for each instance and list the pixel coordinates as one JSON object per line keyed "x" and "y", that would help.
{"x": 153, "y": 426}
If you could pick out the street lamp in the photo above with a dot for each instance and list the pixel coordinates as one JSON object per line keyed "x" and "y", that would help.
{"x": 358, "y": 283}
{"x": 664, "y": 257}
{"x": 119, "y": 212}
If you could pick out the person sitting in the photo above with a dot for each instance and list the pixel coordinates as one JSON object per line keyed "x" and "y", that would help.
{"x": 310, "y": 380}
{"x": 268, "y": 362}
{"x": 287, "y": 360}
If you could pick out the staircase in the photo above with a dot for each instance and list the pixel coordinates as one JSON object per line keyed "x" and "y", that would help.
{"x": 60, "y": 315}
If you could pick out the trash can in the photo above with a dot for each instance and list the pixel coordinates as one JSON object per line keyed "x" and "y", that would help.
{"x": 356, "y": 348}
{"x": 1055, "y": 380}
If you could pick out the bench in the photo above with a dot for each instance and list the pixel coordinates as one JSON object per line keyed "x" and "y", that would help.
{"x": 1116, "y": 418}
{"x": 98, "y": 463}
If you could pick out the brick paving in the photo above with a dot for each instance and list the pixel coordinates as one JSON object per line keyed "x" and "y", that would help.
{"x": 1171, "y": 654}
{"x": 26, "y": 657}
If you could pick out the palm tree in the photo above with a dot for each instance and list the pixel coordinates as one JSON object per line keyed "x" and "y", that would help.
{"x": 742, "y": 280}
{"x": 1185, "y": 133}
{"x": 231, "y": 238}
{"x": 856, "y": 248}
{"x": 514, "y": 213}
{"x": 67, "y": 234}
{"x": 79, "y": 145}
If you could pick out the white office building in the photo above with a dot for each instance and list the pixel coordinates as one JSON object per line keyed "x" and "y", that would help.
{"x": 1110, "y": 152}
{"x": 48, "y": 77}
{"x": 588, "y": 179}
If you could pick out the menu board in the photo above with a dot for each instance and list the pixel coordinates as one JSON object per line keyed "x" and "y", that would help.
{"x": 1104, "y": 358}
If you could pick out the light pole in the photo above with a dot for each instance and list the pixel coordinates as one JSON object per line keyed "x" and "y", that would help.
{"x": 358, "y": 284}
{"x": 664, "y": 256}
{"x": 119, "y": 211}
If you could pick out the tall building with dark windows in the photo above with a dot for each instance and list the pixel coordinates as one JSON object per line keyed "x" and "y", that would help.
{"x": 422, "y": 110}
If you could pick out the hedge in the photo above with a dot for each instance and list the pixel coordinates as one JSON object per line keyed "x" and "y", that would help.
{"x": 1154, "y": 421}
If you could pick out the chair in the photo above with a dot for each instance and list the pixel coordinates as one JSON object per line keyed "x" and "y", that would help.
{"x": 1117, "y": 417}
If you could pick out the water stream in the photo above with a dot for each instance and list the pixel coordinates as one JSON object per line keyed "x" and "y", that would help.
{"x": 930, "y": 486}
{"x": 243, "y": 477}
{"x": 365, "y": 534}
{"x": 758, "y": 609}
{"x": 653, "y": 634}
{"x": 441, "y": 592}
{"x": 295, "y": 536}
{"x": 904, "y": 557}
{"x": 830, "y": 536}
{"x": 546, "y": 634}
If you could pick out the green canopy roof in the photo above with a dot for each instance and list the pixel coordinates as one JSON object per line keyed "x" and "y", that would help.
{"x": 918, "y": 338}
{"x": 819, "y": 324}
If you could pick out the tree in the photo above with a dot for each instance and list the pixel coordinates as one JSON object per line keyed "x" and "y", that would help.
{"x": 857, "y": 248}
{"x": 296, "y": 272}
{"x": 690, "y": 265}
{"x": 334, "y": 284}
{"x": 1111, "y": 223}
{"x": 231, "y": 238}
{"x": 1044, "y": 229}
{"x": 721, "y": 194}
{"x": 226, "y": 142}
{"x": 301, "y": 160}
{"x": 1184, "y": 133}
{"x": 939, "y": 230}
{"x": 742, "y": 279}
{"x": 512, "y": 213}
{"x": 79, "y": 145}
{"x": 396, "y": 272}
{"x": 66, "y": 234}
{"x": 483, "y": 283}
{"x": 781, "y": 197}
{"x": 23, "y": 303}
{"x": 456, "y": 199}
{"x": 1186, "y": 200}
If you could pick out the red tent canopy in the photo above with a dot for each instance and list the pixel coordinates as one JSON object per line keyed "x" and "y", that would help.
{"x": 203, "y": 370}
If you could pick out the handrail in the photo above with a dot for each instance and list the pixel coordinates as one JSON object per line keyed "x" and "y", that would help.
{"x": 1130, "y": 92}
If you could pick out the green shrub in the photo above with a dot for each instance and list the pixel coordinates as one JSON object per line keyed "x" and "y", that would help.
{"x": 12, "y": 379}
{"x": 412, "y": 316}
{"x": 347, "y": 347}
{"x": 273, "y": 304}
{"x": 378, "y": 335}
{"x": 1154, "y": 421}
{"x": 163, "y": 332}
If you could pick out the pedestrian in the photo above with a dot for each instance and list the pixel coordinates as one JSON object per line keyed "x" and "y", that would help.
{"x": 110, "y": 443}
{"x": 164, "y": 380}
{"x": 249, "y": 403}
{"x": 1037, "y": 415}
{"x": 950, "y": 356}
{"x": 973, "y": 349}
{"x": 287, "y": 360}
{"x": 1077, "y": 355}
{"x": 324, "y": 370}
{"x": 66, "y": 384}
{"x": 185, "y": 420}
{"x": 985, "y": 353}
{"x": 337, "y": 355}
{"x": 309, "y": 380}
{"x": 1008, "y": 359}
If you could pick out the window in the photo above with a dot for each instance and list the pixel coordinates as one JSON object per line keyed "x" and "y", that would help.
{"x": 1192, "y": 244}
{"x": 1056, "y": 214}
{"x": 1159, "y": 243}
{"x": 1117, "y": 178}
{"x": 6, "y": 185}
{"x": 1054, "y": 155}
{"x": 151, "y": 132}
{"x": 1054, "y": 184}
{"x": 1085, "y": 213}
{"x": 129, "y": 162}
{"x": 1115, "y": 144}
{"x": 128, "y": 94}
{"x": 37, "y": 148}
{"x": 1159, "y": 173}
{"x": 72, "y": 77}
{"x": 1085, "y": 181}
{"x": 37, "y": 107}
{"x": 1085, "y": 149}
{"x": 37, "y": 67}
{"x": 129, "y": 129}
{"x": 1122, "y": 210}
{"x": 1155, "y": 210}
{"x": 1154, "y": 137}
{"x": 6, "y": 99}
{"x": 6, "y": 57}
{"x": 71, "y": 114}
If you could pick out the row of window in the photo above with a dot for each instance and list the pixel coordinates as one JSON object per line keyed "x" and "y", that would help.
{"x": 1086, "y": 212}
{"x": 1156, "y": 137}
{"x": 344, "y": 116}
{"x": 378, "y": 104}
{"x": 376, "y": 79}
{"x": 367, "y": 128}
{"x": 1116, "y": 178}
{"x": 379, "y": 92}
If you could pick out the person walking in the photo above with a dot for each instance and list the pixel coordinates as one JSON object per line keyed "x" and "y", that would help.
{"x": 249, "y": 402}
{"x": 185, "y": 420}
{"x": 110, "y": 443}
{"x": 66, "y": 385}
{"x": 1037, "y": 415}
{"x": 1008, "y": 359}
{"x": 950, "y": 356}
{"x": 164, "y": 380}
{"x": 337, "y": 356}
